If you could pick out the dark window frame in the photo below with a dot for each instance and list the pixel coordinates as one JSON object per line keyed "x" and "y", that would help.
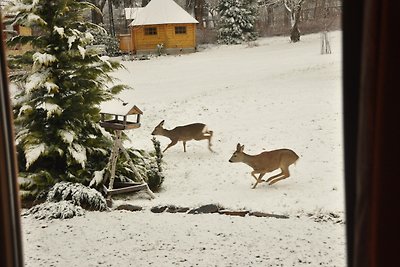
{"x": 371, "y": 225}
{"x": 180, "y": 30}
{"x": 150, "y": 31}
{"x": 10, "y": 226}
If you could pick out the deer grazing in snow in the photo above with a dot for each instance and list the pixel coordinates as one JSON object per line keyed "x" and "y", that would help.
{"x": 266, "y": 161}
{"x": 195, "y": 131}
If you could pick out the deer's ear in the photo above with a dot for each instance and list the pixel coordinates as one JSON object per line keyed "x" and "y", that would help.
{"x": 238, "y": 147}
{"x": 241, "y": 148}
{"x": 161, "y": 123}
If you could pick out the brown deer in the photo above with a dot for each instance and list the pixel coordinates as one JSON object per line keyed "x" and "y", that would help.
{"x": 195, "y": 131}
{"x": 266, "y": 161}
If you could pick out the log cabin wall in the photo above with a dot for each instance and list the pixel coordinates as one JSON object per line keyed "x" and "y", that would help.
{"x": 165, "y": 34}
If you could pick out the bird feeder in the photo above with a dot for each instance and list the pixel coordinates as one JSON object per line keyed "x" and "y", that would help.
{"x": 119, "y": 116}
{"x": 123, "y": 117}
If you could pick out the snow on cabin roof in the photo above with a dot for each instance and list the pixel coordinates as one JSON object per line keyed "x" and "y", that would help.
{"x": 162, "y": 12}
{"x": 118, "y": 107}
{"x": 131, "y": 13}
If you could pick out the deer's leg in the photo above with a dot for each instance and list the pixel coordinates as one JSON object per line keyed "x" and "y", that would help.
{"x": 253, "y": 173}
{"x": 258, "y": 180}
{"x": 203, "y": 137}
{"x": 209, "y": 143}
{"x": 171, "y": 144}
{"x": 184, "y": 146}
{"x": 210, "y": 134}
{"x": 275, "y": 176}
{"x": 285, "y": 174}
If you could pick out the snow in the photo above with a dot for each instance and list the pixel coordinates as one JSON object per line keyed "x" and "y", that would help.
{"x": 78, "y": 153}
{"x": 59, "y": 30}
{"x": 33, "y": 19}
{"x": 51, "y": 87}
{"x": 51, "y": 109}
{"x": 272, "y": 95}
{"x": 98, "y": 178}
{"x": 53, "y": 210}
{"x": 78, "y": 194}
{"x": 23, "y": 109}
{"x": 116, "y": 106}
{"x": 67, "y": 136}
{"x": 105, "y": 59}
{"x": 71, "y": 40}
{"x": 88, "y": 37}
{"x": 162, "y": 12}
{"x": 33, "y": 152}
{"x": 82, "y": 51}
{"x": 35, "y": 80}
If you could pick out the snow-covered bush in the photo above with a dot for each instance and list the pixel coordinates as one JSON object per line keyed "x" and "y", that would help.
{"x": 55, "y": 210}
{"x": 147, "y": 164}
{"x": 155, "y": 174}
{"x": 66, "y": 200}
{"x": 77, "y": 194}
{"x": 61, "y": 85}
{"x": 110, "y": 42}
{"x": 237, "y": 21}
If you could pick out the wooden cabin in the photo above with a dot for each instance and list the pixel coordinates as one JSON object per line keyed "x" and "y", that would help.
{"x": 163, "y": 27}
{"x": 10, "y": 31}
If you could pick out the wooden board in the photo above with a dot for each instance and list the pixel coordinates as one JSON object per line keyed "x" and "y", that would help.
{"x": 128, "y": 189}
{"x": 119, "y": 125}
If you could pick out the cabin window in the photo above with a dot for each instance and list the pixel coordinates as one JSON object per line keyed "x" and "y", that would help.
{"x": 150, "y": 31}
{"x": 180, "y": 30}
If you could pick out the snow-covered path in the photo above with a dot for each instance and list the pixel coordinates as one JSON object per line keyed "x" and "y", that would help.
{"x": 143, "y": 239}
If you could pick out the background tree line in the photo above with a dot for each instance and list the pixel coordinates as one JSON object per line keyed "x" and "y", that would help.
{"x": 274, "y": 17}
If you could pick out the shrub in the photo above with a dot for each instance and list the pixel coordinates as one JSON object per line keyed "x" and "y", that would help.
{"x": 147, "y": 164}
{"x": 78, "y": 194}
{"x": 55, "y": 210}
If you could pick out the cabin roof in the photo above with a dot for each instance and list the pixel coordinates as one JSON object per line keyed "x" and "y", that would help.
{"x": 162, "y": 12}
{"x": 117, "y": 107}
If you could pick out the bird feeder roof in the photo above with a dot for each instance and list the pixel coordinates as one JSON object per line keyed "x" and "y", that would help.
{"x": 116, "y": 107}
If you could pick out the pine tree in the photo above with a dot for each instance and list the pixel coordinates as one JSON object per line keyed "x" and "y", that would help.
{"x": 237, "y": 21}
{"x": 61, "y": 85}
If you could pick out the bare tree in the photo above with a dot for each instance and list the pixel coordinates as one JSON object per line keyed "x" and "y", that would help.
{"x": 189, "y": 6}
{"x": 212, "y": 9}
{"x": 97, "y": 18}
{"x": 294, "y": 8}
{"x": 199, "y": 10}
{"x": 268, "y": 12}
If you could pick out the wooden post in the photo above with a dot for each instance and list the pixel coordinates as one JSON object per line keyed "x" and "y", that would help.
{"x": 137, "y": 174}
{"x": 114, "y": 158}
{"x": 325, "y": 46}
{"x": 113, "y": 162}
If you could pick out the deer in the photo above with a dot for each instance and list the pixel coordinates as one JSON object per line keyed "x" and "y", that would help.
{"x": 194, "y": 131}
{"x": 266, "y": 161}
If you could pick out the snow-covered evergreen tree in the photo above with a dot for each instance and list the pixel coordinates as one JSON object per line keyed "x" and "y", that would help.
{"x": 110, "y": 42}
{"x": 61, "y": 85}
{"x": 237, "y": 21}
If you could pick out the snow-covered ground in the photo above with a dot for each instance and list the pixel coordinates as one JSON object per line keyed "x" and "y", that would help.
{"x": 272, "y": 95}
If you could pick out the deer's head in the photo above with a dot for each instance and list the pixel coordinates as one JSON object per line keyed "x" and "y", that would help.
{"x": 158, "y": 129}
{"x": 237, "y": 156}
